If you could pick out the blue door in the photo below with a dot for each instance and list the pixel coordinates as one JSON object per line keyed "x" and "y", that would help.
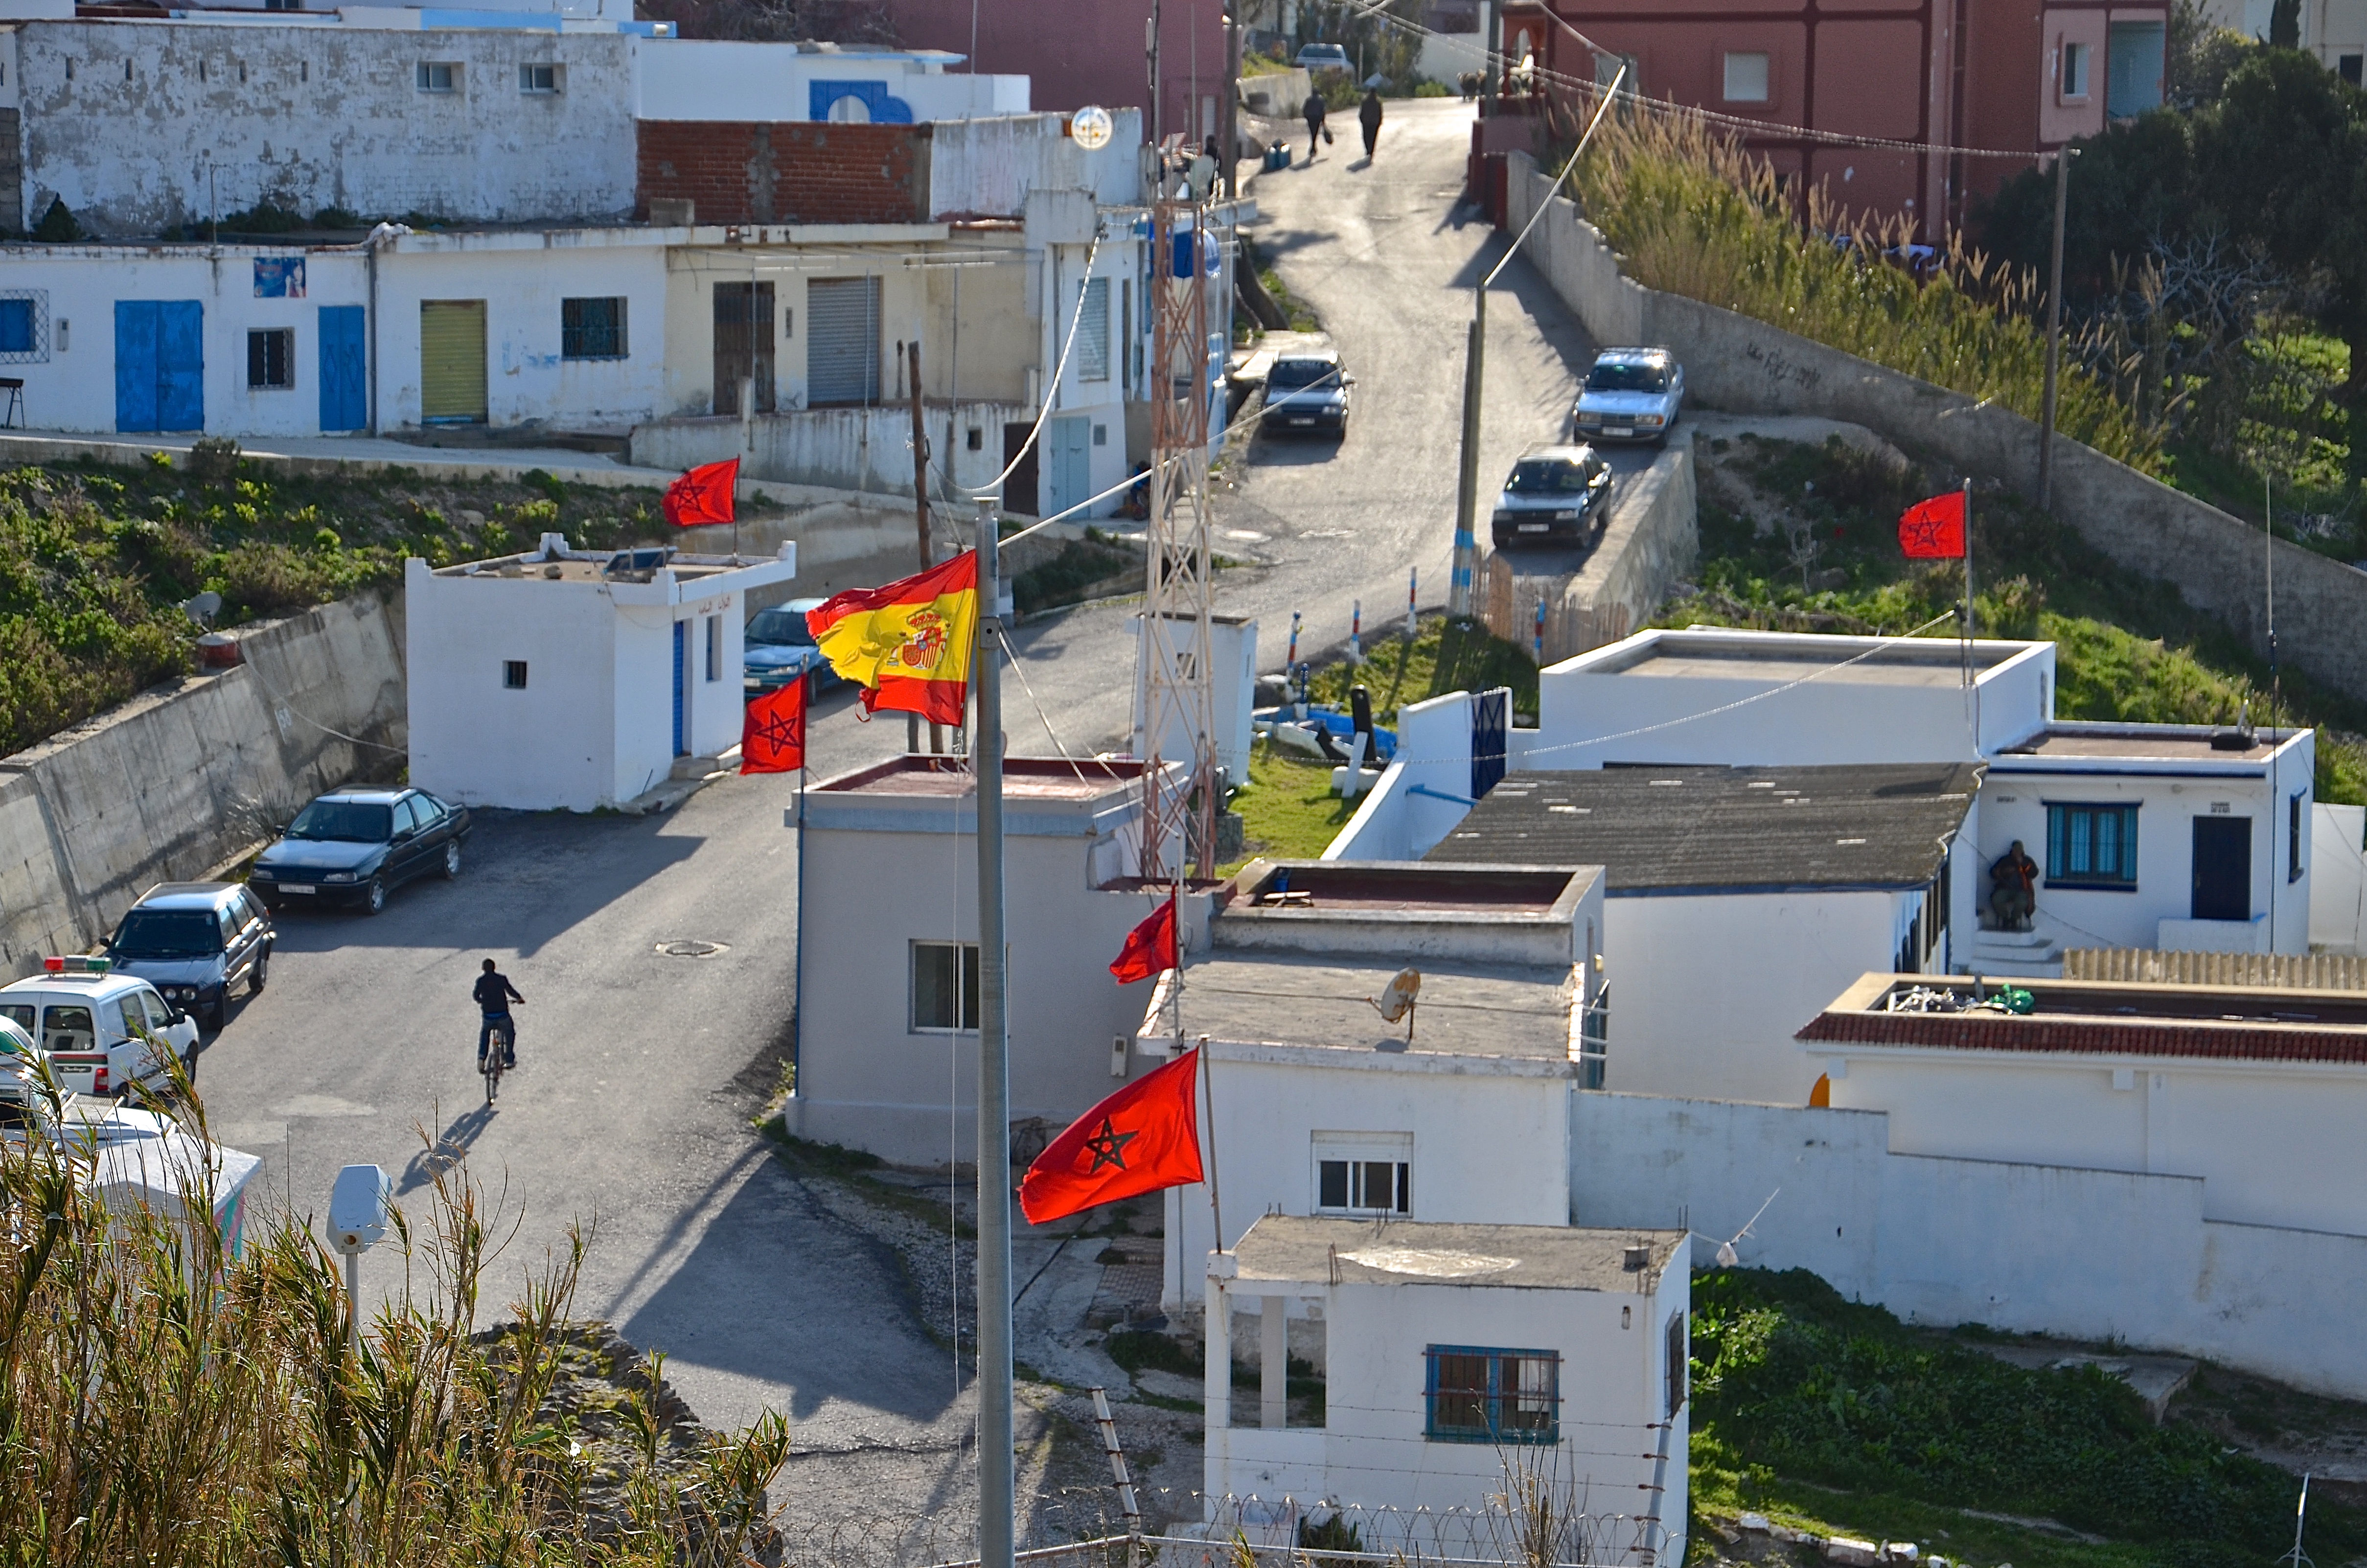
{"x": 681, "y": 746}
{"x": 1490, "y": 713}
{"x": 1068, "y": 462}
{"x": 160, "y": 365}
{"x": 345, "y": 364}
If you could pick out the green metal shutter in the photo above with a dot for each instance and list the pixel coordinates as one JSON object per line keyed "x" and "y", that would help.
{"x": 452, "y": 361}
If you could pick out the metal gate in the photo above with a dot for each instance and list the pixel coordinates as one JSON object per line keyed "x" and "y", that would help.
{"x": 160, "y": 365}
{"x": 842, "y": 341}
{"x": 451, "y": 361}
{"x": 743, "y": 345}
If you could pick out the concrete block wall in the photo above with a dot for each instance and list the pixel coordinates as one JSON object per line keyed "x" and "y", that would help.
{"x": 1652, "y": 540}
{"x": 864, "y": 449}
{"x": 184, "y": 777}
{"x": 2217, "y": 563}
{"x": 786, "y": 172}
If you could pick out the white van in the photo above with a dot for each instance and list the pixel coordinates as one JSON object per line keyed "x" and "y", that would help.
{"x": 101, "y": 1031}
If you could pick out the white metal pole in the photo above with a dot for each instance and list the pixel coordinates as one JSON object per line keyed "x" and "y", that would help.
{"x": 995, "y": 1482}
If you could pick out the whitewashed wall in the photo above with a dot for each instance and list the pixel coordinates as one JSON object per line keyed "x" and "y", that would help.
{"x": 2338, "y": 878}
{"x": 720, "y": 79}
{"x": 985, "y": 168}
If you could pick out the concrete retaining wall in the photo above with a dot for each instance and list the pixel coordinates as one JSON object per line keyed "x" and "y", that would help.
{"x": 1651, "y": 541}
{"x": 2216, "y": 562}
{"x": 1277, "y": 94}
{"x": 184, "y": 777}
{"x": 2084, "y": 1253}
{"x": 866, "y": 449}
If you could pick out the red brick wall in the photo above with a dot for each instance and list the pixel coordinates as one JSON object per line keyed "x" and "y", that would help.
{"x": 786, "y": 172}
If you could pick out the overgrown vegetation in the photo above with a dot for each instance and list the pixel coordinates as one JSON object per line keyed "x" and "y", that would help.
{"x": 1814, "y": 547}
{"x": 95, "y": 562}
{"x": 163, "y": 1402}
{"x": 1288, "y": 812}
{"x": 1693, "y": 214}
{"x": 1445, "y": 655}
{"x": 1793, "y": 1384}
{"x": 1084, "y": 568}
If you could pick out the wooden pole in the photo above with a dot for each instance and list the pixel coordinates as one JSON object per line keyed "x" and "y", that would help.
{"x": 2054, "y": 343}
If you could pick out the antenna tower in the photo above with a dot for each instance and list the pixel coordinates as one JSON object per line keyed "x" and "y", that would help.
{"x": 1178, "y": 696}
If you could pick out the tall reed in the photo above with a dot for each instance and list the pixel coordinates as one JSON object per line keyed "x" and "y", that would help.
{"x": 1692, "y": 212}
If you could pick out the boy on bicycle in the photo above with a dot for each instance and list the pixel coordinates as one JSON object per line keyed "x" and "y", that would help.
{"x": 494, "y": 994}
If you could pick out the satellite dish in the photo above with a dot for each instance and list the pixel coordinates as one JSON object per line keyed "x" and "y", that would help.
{"x": 1399, "y": 999}
{"x": 1091, "y": 127}
{"x": 202, "y": 608}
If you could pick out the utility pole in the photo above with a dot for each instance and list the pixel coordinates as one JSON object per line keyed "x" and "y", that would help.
{"x": 996, "y": 1506}
{"x": 2054, "y": 329}
{"x": 920, "y": 458}
{"x": 1475, "y": 352}
{"x": 1151, "y": 63}
{"x": 1229, "y": 126}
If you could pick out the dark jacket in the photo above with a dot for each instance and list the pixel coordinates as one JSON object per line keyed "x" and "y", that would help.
{"x": 494, "y": 994}
{"x": 1313, "y": 112}
{"x": 1368, "y": 113}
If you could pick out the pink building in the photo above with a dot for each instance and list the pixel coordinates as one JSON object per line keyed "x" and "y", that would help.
{"x": 2022, "y": 76}
{"x": 1084, "y": 51}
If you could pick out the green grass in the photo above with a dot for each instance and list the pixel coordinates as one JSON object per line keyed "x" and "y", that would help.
{"x": 1288, "y": 812}
{"x": 1444, "y": 656}
{"x": 2126, "y": 647}
{"x": 1796, "y": 1389}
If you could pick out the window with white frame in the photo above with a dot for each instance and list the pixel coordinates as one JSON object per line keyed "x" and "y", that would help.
{"x": 944, "y": 987}
{"x": 2075, "y": 71}
{"x": 1746, "y": 77}
{"x": 1363, "y": 1173}
{"x": 539, "y": 80}
{"x": 438, "y": 76}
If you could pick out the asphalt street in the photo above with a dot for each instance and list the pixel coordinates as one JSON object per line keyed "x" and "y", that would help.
{"x": 641, "y": 1067}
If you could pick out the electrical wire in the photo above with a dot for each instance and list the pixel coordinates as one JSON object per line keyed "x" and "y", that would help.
{"x": 994, "y": 486}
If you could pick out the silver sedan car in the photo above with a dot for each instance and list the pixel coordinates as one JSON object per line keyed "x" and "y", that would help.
{"x": 1632, "y": 394}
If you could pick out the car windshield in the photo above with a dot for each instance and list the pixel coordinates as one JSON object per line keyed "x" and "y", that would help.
{"x": 168, "y": 933}
{"x": 1546, "y": 476}
{"x": 780, "y": 628}
{"x": 347, "y": 822}
{"x": 1613, "y": 376}
{"x": 1289, "y": 375}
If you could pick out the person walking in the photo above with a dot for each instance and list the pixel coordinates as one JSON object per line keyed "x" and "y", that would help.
{"x": 1314, "y": 115}
{"x": 1369, "y": 115}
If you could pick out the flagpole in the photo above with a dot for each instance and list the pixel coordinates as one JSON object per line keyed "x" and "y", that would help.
{"x": 1209, "y": 1079}
{"x": 1969, "y": 630}
{"x": 995, "y": 1482}
{"x": 799, "y": 962}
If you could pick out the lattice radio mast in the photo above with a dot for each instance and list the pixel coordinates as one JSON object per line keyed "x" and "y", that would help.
{"x": 1178, "y": 689}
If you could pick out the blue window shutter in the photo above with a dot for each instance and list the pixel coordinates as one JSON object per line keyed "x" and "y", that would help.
{"x": 16, "y": 326}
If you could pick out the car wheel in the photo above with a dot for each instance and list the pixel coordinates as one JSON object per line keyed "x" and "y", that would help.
{"x": 215, "y": 1017}
{"x": 451, "y": 859}
{"x": 259, "y": 974}
{"x": 374, "y": 896}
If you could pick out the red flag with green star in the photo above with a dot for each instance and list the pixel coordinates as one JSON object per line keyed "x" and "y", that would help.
{"x": 1141, "y": 1138}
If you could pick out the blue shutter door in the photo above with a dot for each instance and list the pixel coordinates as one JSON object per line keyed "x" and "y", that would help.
{"x": 345, "y": 369}
{"x": 1070, "y": 469}
{"x": 1490, "y": 712}
{"x": 135, "y": 364}
{"x": 680, "y": 749}
{"x": 181, "y": 365}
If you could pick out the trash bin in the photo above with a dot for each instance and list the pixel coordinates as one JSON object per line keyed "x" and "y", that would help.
{"x": 1278, "y": 156}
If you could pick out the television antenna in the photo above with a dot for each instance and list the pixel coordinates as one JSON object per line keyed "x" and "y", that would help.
{"x": 2297, "y": 1557}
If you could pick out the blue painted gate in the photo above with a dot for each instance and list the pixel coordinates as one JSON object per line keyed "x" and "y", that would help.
{"x": 160, "y": 365}
{"x": 1068, "y": 462}
{"x": 345, "y": 369}
{"x": 681, "y": 742}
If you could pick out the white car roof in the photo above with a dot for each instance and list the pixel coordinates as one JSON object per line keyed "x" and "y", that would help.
{"x": 77, "y": 987}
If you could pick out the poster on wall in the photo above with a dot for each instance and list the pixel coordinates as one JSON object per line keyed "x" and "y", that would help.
{"x": 279, "y": 278}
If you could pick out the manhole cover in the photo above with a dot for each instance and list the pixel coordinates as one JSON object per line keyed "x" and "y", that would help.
{"x": 688, "y": 949}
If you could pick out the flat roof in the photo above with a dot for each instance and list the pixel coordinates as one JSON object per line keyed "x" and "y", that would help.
{"x": 1279, "y": 997}
{"x": 1401, "y": 887}
{"x": 2189, "y": 742}
{"x": 1024, "y": 779}
{"x": 1297, "y": 1250}
{"x": 1775, "y": 658}
{"x": 1667, "y": 829}
{"x": 686, "y": 569}
{"x": 2247, "y": 1023}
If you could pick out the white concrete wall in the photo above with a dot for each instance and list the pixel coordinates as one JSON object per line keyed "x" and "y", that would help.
{"x": 523, "y": 278}
{"x": 310, "y": 117}
{"x": 1707, "y": 991}
{"x": 985, "y": 168}
{"x": 720, "y": 79}
{"x": 2338, "y": 878}
{"x": 70, "y": 376}
{"x": 864, "y": 449}
{"x": 1232, "y": 658}
{"x": 2275, "y": 1142}
{"x": 2081, "y": 1253}
{"x": 1491, "y": 1138}
{"x": 1371, "y": 1450}
{"x": 184, "y": 777}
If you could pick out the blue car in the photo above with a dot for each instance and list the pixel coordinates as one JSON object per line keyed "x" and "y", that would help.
{"x": 779, "y": 649}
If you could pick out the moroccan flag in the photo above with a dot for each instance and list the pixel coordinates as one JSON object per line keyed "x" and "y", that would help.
{"x": 773, "y": 735}
{"x": 702, "y": 495}
{"x": 906, "y": 643}
{"x": 1934, "y": 529}
{"x": 1141, "y": 1138}
{"x": 1150, "y": 948}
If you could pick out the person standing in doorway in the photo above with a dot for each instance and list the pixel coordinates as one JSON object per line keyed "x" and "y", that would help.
{"x": 1315, "y": 131}
{"x": 1369, "y": 115}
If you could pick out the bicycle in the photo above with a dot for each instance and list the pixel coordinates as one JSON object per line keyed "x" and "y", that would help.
{"x": 502, "y": 1047}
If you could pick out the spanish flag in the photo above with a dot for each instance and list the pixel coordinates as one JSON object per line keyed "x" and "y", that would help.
{"x": 906, "y": 643}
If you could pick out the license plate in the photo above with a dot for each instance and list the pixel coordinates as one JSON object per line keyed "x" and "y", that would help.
{"x": 1619, "y": 429}
{"x": 1535, "y": 528}
{"x": 298, "y": 887}
{"x": 1302, "y": 422}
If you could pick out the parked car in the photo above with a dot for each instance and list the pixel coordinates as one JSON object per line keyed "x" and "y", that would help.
{"x": 101, "y": 1031}
{"x": 1554, "y": 494}
{"x": 779, "y": 649}
{"x": 1632, "y": 394}
{"x": 354, "y": 846}
{"x": 1323, "y": 57}
{"x": 1306, "y": 394}
{"x": 193, "y": 941}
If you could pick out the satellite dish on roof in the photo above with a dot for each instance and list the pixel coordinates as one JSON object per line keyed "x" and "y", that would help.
{"x": 1397, "y": 1001}
{"x": 202, "y": 608}
{"x": 1091, "y": 127}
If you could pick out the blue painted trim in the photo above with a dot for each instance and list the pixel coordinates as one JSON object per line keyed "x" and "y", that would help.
{"x": 1426, "y": 791}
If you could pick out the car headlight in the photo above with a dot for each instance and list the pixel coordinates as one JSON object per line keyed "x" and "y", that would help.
{"x": 1588, "y": 417}
{"x": 261, "y": 874}
{"x": 338, "y": 877}
{"x": 1564, "y": 517}
{"x": 1649, "y": 419}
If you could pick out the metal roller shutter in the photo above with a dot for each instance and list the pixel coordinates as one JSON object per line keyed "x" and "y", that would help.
{"x": 842, "y": 340}
{"x": 452, "y": 360}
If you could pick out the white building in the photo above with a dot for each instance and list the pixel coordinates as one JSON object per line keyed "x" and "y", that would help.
{"x": 1320, "y": 1105}
{"x": 1741, "y": 899}
{"x": 575, "y": 678}
{"x": 887, "y": 1010}
{"x": 1461, "y": 1363}
{"x": 2257, "y": 1092}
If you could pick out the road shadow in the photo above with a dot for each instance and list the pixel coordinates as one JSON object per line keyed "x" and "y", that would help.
{"x": 449, "y": 1149}
{"x": 1300, "y": 451}
{"x": 1360, "y": 165}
